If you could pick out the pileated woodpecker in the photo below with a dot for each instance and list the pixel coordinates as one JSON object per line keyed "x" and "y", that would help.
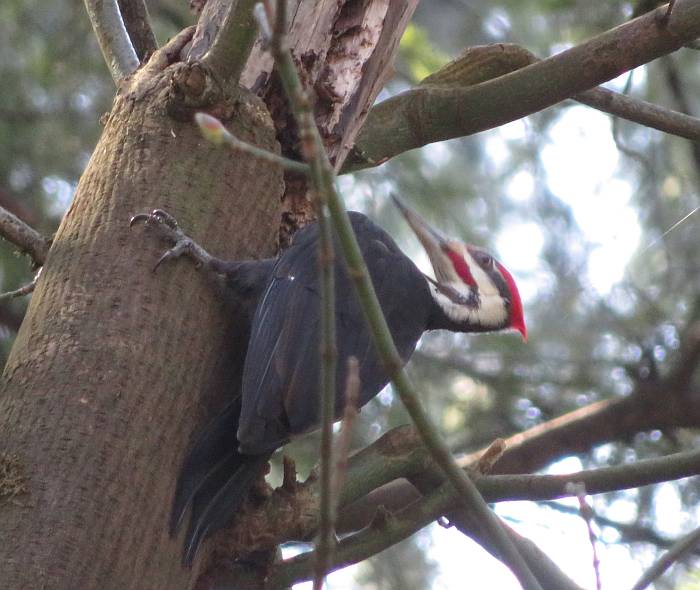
{"x": 471, "y": 292}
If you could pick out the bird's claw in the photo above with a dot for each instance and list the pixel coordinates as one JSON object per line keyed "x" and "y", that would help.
{"x": 169, "y": 229}
{"x": 182, "y": 246}
{"x": 155, "y": 217}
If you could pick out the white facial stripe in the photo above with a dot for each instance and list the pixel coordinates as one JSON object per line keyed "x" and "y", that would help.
{"x": 492, "y": 311}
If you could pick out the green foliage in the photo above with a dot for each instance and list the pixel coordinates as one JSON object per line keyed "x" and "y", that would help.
{"x": 690, "y": 581}
{"x": 420, "y": 56}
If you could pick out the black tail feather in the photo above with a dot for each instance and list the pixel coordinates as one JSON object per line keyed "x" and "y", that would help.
{"x": 214, "y": 480}
{"x": 217, "y": 501}
{"x": 215, "y": 445}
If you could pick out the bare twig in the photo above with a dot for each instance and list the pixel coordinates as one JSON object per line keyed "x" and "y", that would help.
{"x": 138, "y": 26}
{"x": 327, "y": 526}
{"x": 27, "y": 239}
{"x": 234, "y": 42}
{"x": 372, "y": 540}
{"x": 674, "y": 554}
{"x": 538, "y": 488}
{"x": 323, "y": 180}
{"x": 642, "y": 112}
{"x": 342, "y": 445}
{"x": 214, "y": 131}
{"x": 579, "y": 490}
{"x": 328, "y": 352}
{"x": 112, "y": 37}
{"x": 313, "y": 152}
{"x": 491, "y": 456}
{"x": 211, "y": 18}
{"x": 628, "y": 533}
{"x": 399, "y": 454}
{"x": 25, "y": 290}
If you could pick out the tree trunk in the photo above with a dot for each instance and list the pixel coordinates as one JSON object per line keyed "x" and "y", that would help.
{"x": 115, "y": 367}
{"x": 109, "y": 366}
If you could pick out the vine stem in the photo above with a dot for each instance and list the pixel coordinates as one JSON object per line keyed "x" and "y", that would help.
{"x": 323, "y": 182}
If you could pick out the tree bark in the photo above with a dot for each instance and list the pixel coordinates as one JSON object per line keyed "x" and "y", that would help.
{"x": 104, "y": 385}
{"x": 115, "y": 367}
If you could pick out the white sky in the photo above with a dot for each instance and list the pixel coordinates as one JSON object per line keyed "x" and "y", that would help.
{"x": 581, "y": 163}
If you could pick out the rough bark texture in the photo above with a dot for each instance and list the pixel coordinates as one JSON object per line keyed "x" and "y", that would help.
{"x": 105, "y": 381}
{"x": 344, "y": 50}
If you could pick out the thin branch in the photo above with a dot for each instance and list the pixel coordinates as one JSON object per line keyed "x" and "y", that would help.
{"x": 430, "y": 113}
{"x": 389, "y": 530}
{"x": 314, "y": 153}
{"x": 328, "y": 352}
{"x": 138, "y": 26}
{"x": 27, "y": 239}
{"x": 629, "y": 533}
{"x": 25, "y": 290}
{"x": 399, "y": 454}
{"x": 642, "y": 112}
{"x": 213, "y": 130}
{"x": 211, "y": 18}
{"x": 234, "y": 42}
{"x": 323, "y": 180}
{"x": 385, "y": 530}
{"x": 586, "y": 513}
{"x": 112, "y": 37}
{"x": 544, "y": 569}
{"x": 674, "y": 554}
{"x": 339, "y": 454}
{"x": 350, "y": 413}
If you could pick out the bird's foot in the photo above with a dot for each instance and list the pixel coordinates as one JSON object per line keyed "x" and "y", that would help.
{"x": 169, "y": 230}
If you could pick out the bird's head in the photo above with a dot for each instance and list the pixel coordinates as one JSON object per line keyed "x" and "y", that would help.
{"x": 473, "y": 289}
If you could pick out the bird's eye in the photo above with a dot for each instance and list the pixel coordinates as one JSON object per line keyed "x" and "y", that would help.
{"x": 485, "y": 260}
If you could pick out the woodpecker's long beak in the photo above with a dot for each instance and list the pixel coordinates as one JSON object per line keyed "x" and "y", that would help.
{"x": 434, "y": 242}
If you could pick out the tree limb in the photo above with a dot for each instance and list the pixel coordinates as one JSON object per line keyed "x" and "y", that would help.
{"x": 27, "y": 240}
{"x": 432, "y": 113}
{"x": 642, "y": 112}
{"x": 210, "y": 21}
{"x": 387, "y": 529}
{"x": 233, "y": 43}
{"x": 112, "y": 37}
{"x": 24, "y": 290}
{"x": 138, "y": 26}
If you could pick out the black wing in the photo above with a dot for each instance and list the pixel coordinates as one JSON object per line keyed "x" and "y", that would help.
{"x": 281, "y": 373}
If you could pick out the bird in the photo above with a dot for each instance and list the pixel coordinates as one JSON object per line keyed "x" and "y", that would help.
{"x": 471, "y": 292}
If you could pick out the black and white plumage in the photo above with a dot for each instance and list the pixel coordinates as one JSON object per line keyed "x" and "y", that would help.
{"x": 471, "y": 293}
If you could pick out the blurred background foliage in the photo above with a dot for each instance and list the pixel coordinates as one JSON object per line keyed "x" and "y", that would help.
{"x": 577, "y": 205}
